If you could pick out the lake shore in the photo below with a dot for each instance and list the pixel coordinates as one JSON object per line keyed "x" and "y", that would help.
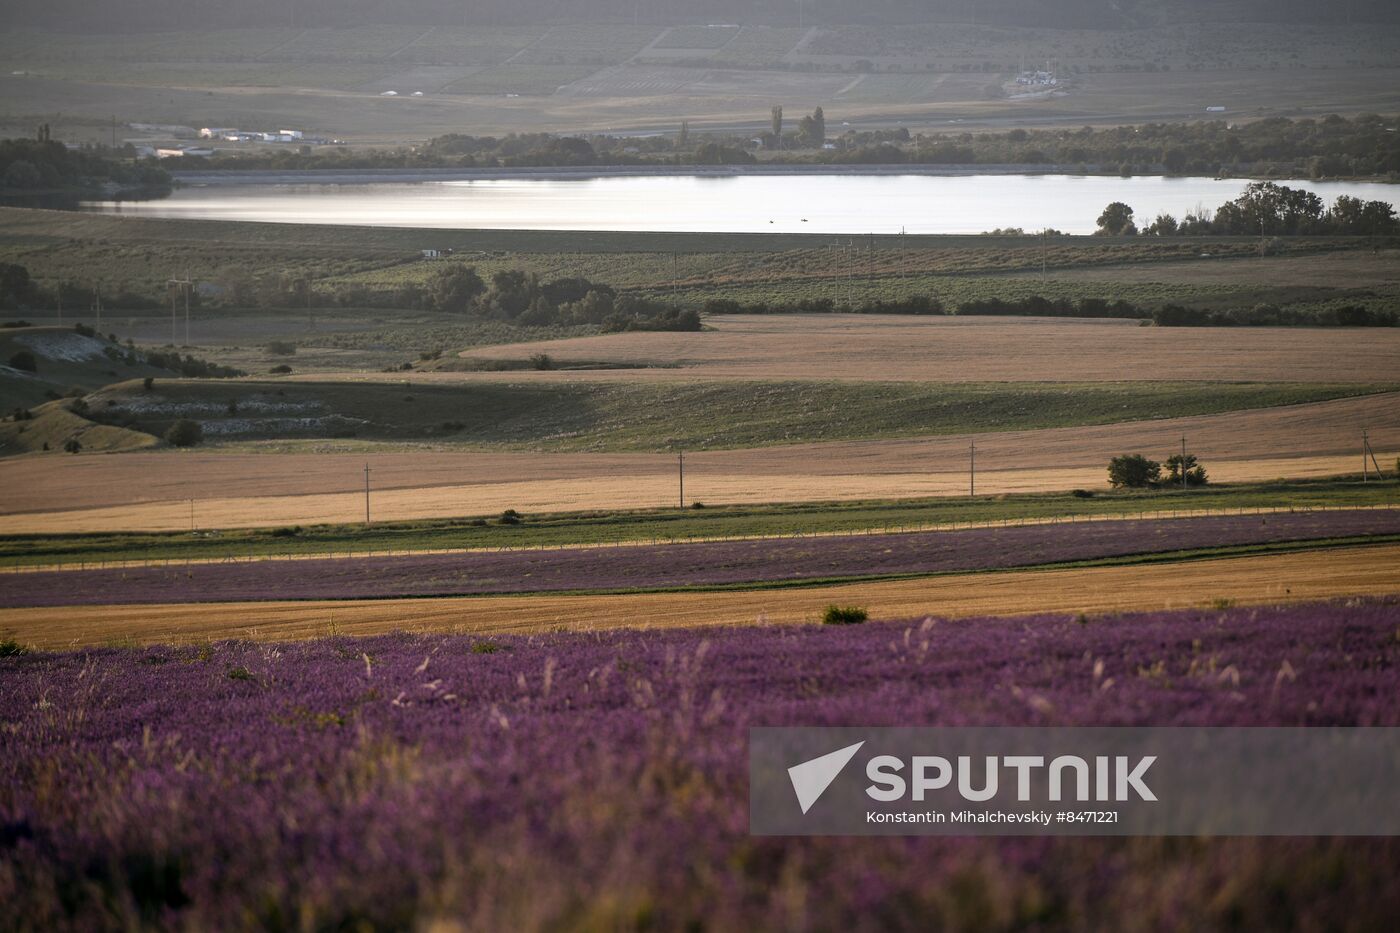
{"x": 369, "y": 176}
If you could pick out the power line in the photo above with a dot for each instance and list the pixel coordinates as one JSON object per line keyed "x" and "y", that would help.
{"x": 972, "y": 470}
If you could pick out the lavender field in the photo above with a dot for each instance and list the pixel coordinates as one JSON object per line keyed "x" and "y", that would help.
{"x": 599, "y": 781}
{"x": 678, "y": 565}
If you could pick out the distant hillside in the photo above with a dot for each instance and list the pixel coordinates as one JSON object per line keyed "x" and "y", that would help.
{"x": 63, "y": 360}
{"x": 145, "y": 15}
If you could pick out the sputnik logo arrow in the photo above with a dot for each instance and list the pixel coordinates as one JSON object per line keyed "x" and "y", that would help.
{"x": 811, "y": 778}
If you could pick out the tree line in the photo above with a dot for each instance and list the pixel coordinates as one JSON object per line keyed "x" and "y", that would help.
{"x": 45, "y": 165}
{"x": 1166, "y": 315}
{"x": 1330, "y": 147}
{"x": 1264, "y": 209}
{"x": 519, "y": 297}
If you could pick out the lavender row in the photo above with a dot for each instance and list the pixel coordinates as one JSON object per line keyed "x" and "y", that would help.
{"x": 681, "y": 565}
{"x": 599, "y": 781}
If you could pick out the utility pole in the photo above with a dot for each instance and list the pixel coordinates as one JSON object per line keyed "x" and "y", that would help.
{"x": 1368, "y": 454}
{"x": 191, "y": 515}
{"x": 680, "y": 462}
{"x": 1183, "y": 461}
{"x": 366, "y": 493}
{"x": 184, "y": 285}
{"x": 972, "y": 470}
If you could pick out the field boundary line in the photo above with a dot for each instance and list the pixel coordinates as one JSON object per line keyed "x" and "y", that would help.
{"x": 873, "y": 531}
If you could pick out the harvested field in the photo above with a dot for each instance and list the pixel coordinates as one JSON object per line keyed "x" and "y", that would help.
{"x": 982, "y": 349}
{"x": 335, "y": 781}
{"x": 1268, "y": 579}
{"x": 152, "y": 491}
{"x": 714, "y": 564}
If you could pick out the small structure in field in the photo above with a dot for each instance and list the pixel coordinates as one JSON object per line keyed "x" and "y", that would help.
{"x": 436, "y": 253}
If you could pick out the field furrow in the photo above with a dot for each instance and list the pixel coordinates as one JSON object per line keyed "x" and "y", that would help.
{"x": 701, "y": 565}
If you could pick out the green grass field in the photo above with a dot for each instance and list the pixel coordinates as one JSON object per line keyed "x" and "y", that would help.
{"x": 629, "y": 416}
{"x": 682, "y": 524}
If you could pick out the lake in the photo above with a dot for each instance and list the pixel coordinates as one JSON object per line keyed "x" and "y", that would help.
{"x": 790, "y": 203}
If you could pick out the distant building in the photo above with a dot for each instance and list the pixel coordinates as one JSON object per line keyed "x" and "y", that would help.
{"x": 436, "y": 253}
{"x": 210, "y": 132}
{"x": 1215, "y": 110}
{"x": 294, "y": 134}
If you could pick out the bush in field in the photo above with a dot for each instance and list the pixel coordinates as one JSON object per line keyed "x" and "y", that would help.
{"x": 1195, "y": 473}
{"x": 281, "y": 370}
{"x": 73, "y": 445}
{"x": 184, "y": 433}
{"x": 541, "y": 361}
{"x": 511, "y": 517}
{"x": 24, "y": 361}
{"x": 844, "y": 615}
{"x": 1133, "y": 471}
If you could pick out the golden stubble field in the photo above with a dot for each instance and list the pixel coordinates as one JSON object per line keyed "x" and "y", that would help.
{"x": 888, "y": 348}
{"x": 1366, "y": 571}
{"x": 153, "y": 491}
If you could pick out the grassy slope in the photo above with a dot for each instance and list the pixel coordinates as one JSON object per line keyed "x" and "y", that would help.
{"x": 565, "y": 416}
{"x": 65, "y": 361}
{"x": 671, "y": 524}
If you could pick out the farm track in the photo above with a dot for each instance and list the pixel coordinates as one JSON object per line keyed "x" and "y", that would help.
{"x": 1270, "y": 579}
{"x": 699, "y": 566}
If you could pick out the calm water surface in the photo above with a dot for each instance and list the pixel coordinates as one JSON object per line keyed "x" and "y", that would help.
{"x": 835, "y": 204}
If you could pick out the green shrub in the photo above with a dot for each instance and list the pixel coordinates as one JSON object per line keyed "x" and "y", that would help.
{"x": 844, "y": 615}
{"x": 184, "y": 433}
{"x": 24, "y": 361}
{"x": 9, "y": 648}
{"x": 72, "y": 445}
{"x": 1133, "y": 471}
{"x": 511, "y": 517}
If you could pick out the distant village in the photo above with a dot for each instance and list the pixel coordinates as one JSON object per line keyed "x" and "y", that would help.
{"x": 215, "y": 134}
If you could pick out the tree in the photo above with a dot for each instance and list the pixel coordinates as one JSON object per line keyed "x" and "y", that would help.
{"x": 24, "y": 361}
{"x": 23, "y": 175}
{"x": 683, "y": 140}
{"x": 1164, "y": 225}
{"x": 778, "y": 122}
{"x": 184, "y": 433}
{"x": 16, "y": 289}
{"x": 811, "y": 130}
{"x": 1195, "y": 473}
{"x": 454, "y": 289}
{"x": 1133, "y": 471}
{"x": 72, "y": 445}
{"x": 1116, "y": 220}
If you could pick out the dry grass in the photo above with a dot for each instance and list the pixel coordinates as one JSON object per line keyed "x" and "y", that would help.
{"x": 151, "y": 491}
{"x": 973, "y": 349}
{"x": 1250, "y": 580}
